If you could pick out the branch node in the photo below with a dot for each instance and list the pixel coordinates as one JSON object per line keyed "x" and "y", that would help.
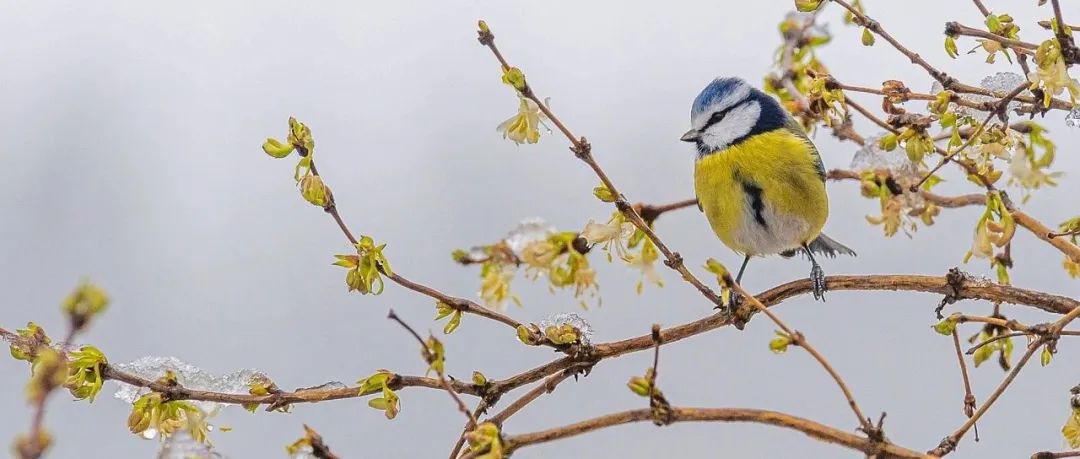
{"x": 582, "y": 149}
{"x": 955, "y": 280}
{"x": 675, "y": 261}
{"x": 947, "y": 445}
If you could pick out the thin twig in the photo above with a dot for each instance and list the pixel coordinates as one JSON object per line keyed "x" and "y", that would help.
{"x": 546, "y": 387}
{"x": 429, "y": 356}
{"x": 798, "y": 339}
{"x": 999, "y": 109}
{"x": 969, "y": 397}
{"x": 976, "y": 347}
{"x": 1016, "y": 45}
{"x": 460, "y": 304}
{"x": 583, "y": 150}
{"x": 681, "y": 414}
{"x": 1053, "y": 455}
{"x": 949, "y": 443}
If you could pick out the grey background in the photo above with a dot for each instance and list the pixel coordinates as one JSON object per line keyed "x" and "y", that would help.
{"x": 131, "y": 156}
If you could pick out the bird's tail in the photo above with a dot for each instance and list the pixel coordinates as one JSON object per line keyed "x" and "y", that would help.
{"x": 824, "y": 245}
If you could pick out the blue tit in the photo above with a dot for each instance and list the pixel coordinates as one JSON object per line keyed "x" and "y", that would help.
{"x": 758, "y": 177}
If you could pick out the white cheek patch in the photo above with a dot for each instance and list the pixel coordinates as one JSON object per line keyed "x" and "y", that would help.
{"x": 738, "y": 122}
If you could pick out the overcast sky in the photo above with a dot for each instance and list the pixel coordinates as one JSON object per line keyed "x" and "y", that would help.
{"x": 131, "y": 156}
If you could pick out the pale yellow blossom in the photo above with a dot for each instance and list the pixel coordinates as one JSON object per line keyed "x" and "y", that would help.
{"x": 524, "y": 127}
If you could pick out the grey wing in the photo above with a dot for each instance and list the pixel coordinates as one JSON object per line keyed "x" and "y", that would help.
{"x": 791, "y": 125}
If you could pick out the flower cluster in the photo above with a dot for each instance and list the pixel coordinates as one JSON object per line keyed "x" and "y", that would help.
{"x": 1051, "y": 74}
{"x": 994, "y": 230}
{"x": 153, "y": 414}
{"x": 388, "y": 402}
{"x": 299, "y": 139}
{"x": 84, "y": 372}
{"x": 365, "y": 268}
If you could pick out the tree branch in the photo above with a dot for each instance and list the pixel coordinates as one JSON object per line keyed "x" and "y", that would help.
{"x": 679, "y": 414}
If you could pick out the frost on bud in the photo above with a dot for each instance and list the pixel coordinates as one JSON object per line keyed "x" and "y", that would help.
{"x": 514, "y": 77}
{"x": 780, "y": 344}
{"x": 315, "y": 191}
{"x": 260, "y": 384}
{"x": 562, "y": 334}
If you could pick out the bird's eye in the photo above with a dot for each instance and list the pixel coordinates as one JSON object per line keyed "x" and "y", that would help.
{"x": 717, "y": 117}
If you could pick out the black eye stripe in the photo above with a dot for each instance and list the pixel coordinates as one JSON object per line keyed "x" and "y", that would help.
{"x": 719, "y": 116}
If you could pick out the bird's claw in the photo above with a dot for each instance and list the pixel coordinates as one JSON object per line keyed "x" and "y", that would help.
{"x": 817, "y": 278}
{"x": 734, "y": 300}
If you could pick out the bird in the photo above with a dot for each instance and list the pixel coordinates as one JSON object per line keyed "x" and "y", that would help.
{"x": 759, "y": 178}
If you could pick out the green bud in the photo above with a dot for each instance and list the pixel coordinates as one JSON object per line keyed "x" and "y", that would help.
{"x": 950, "y": 47}
{"x": 1044, "y": 359}
{"x": 514, "y": 77}
{"x": 526, "y": 334}
{"x": 946, "y": 327}
{"x": 603, "y": 193}
{"x": 780, "y": 344}
{"x": 314, "y": 191}
{"x": 867, "y": 37}
{"x": 275, "y": 148}
{"x": 807, "y": 6}
{"x": 640, "y": 386}
{"x": 479, "y": 379}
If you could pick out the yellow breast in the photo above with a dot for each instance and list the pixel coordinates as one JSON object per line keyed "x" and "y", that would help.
{"x": 765, "y": 194}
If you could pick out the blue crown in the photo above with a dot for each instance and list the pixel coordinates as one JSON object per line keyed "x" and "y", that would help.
{"x": 716, "y": 91}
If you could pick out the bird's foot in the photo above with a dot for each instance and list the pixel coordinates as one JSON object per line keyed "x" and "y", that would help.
{"x": 817, "y": 278}
{"x": 734, "y": 300}
{"x": 734, "y": 311}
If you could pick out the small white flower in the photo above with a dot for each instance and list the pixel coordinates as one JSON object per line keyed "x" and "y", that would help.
{"x": 524, "y": 126}
{"x": 611, "y": 233}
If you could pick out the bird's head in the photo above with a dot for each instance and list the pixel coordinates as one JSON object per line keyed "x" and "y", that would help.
{"x": 729, "y": 111}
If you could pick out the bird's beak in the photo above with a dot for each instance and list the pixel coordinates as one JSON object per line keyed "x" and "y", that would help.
{"x": 691, "y": 136}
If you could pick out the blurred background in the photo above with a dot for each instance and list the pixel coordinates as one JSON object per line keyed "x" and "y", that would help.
{"x": 131, "y": 157}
